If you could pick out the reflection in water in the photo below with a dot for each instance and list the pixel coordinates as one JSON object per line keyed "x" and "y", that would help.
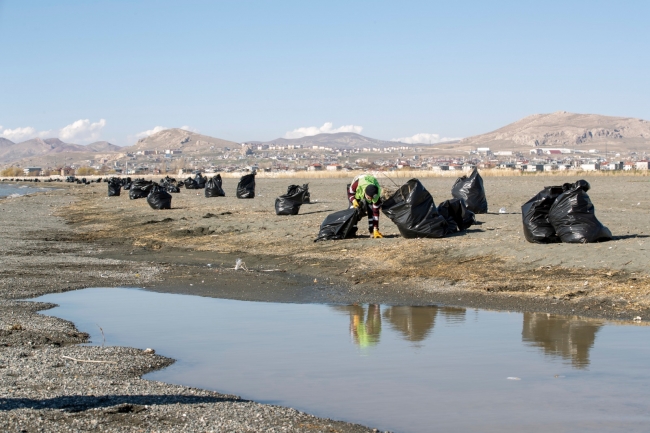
{"x": 414, "y": 323}
{"x": 453, "y": 315}
{"x": 560, "y": 336}
{"x": 365, "y": 330}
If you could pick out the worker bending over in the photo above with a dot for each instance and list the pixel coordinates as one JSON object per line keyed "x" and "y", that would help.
{"x": 365, "y": 190}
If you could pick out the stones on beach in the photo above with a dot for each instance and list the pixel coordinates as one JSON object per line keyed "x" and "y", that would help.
{"x": 149, "y": 351}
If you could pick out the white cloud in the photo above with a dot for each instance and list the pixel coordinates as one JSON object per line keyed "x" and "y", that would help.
{"x": 325, "y": 129}
{"x": 424, "y": 138}
{"x": 149, "y": 132}
{"x": 190, "y": 129}
{"x": 18, "y": 134}
{"x": 82, "y": 131}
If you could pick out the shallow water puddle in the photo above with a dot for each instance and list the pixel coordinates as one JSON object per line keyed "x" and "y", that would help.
{"x": 404, "y": 369}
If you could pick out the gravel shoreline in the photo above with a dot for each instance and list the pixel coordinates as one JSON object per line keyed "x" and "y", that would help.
{"x": 43, "y": 388}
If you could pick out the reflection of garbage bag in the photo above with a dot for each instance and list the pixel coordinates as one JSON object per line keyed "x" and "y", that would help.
{"x": 534, "y": 213}
{"x": 458, "y": 217}
{"x": 339, "y": 225}
{"x": 471, "y": 190}
{"x": 140, "y": 189}
{"x": 213, "y": 187}
{"x": 573, "y": 216}
{"x": 199, "y": 181}
{"x": 114, "y": 187}
{"x": 246, "y": 186}
{"x": 299, "y": 193}
{"x": 285, "y": 205}
{"x": 158, "y": 198}
{"x": 414, "y": 213}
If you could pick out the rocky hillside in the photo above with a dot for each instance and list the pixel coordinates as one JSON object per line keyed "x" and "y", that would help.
{"x": 180, "y": 139}
{"x": 563, "y": 129}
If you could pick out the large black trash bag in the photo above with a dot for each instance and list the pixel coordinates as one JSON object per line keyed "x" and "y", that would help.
{"x": 414, "y": 213}
{"x": 285, "y": 205}
{"x": 339, "y": 225}
{"x": 458, "y": 217}
{"x": 471, "y": 190}
{"x": 159, "y": 198}
{"x": 246, "y": 186}
{"x": 573, "y": 216}
{"x": 140, "y": 188}
{"x": 299, "y": 193}
{"x": 200, "y": 181}
{"x": 534, "y": 214}
{"x": 213, "y": 187}
{"x": 114, "y": 187}
{"x": 190, "y": 183}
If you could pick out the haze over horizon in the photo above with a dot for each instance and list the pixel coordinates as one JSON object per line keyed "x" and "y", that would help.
{"x": 117, "y": 71}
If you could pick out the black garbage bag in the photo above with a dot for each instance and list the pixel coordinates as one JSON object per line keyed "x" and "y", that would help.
{"x": 458, "y": 217}
{"x": 159, "y": 198}
{"x": 339, "y": 225}
{"x": 414, "y": 213}
{"x": 190, "y": 183}
{"x": 534, "y": 214}
{"x": 574, "y": 218}
{"x": 140, "y": 189}
{"x": 471, "y": 190}
{"x": 213, "y": 187}
{"x": 286, "y": 205}
{"x": 114, "y": 187}
{"x": 300, "y": 193}
{"x": 172, "y": 188}
{"x": 246, "y": 186}
{"x": 200, "y": 181}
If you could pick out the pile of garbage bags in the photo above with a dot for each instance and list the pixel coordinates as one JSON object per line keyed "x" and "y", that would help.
{"x": 563, "y": 214}
{"x": 140, "y": 188}
{"x": 246, "y": 186}
{"x": 213, "y": 187}
{"x": 415, "y": 214}
{"x": 289, "y": 203}
{"x": 471, "y": 191}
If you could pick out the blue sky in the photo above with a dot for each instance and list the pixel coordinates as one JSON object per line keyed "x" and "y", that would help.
{"x": 242, "y": 70}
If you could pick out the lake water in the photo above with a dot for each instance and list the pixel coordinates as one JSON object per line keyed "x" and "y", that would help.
{"x": 7, "y": 190}
{"x": 404, "y": 369}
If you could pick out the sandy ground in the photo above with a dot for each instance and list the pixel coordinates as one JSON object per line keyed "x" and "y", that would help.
{"x": 491, "y": 265}
{"x": 76, "y": 237}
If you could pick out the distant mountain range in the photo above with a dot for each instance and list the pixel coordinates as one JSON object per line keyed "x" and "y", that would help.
{"x": 349, "y": 140}
{"x": 38, "y": 147}
{"x": 570, "y": 130}
{"x": 560, "y": 129}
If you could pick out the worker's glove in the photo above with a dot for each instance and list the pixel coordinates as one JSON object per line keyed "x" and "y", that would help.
{"x": 355, "y": 204}
{"x": 376, "y": 234}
